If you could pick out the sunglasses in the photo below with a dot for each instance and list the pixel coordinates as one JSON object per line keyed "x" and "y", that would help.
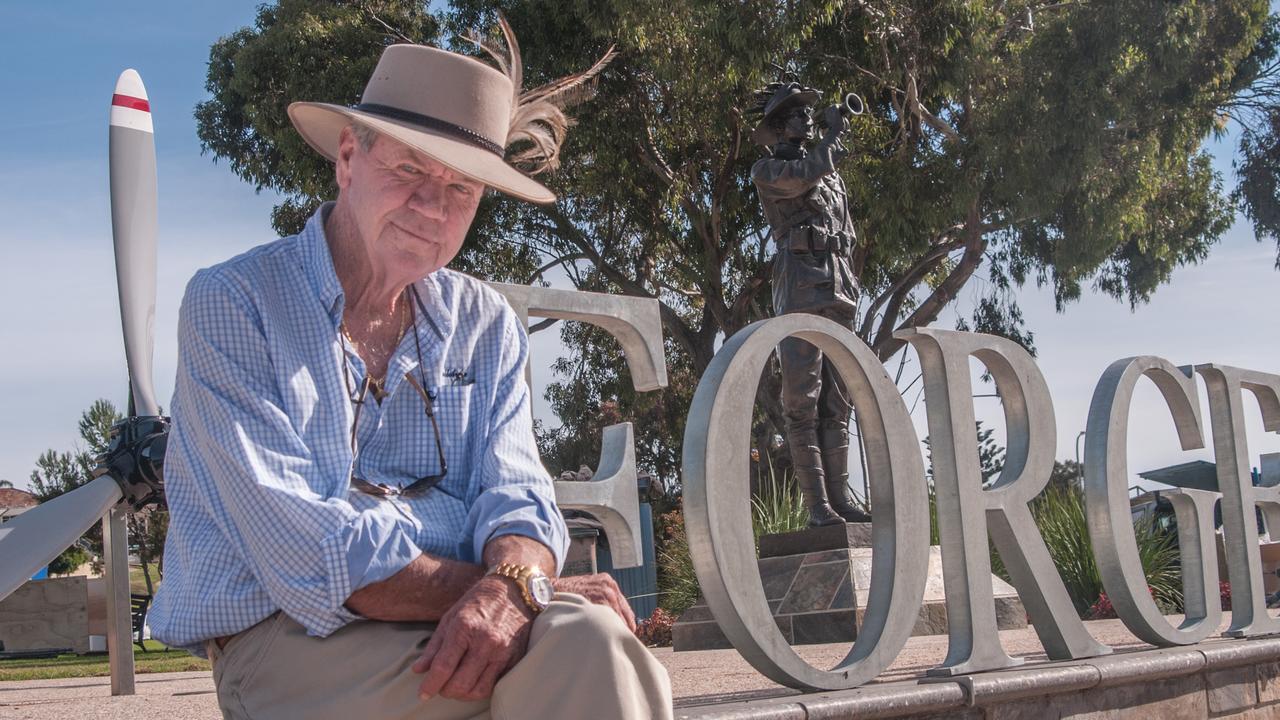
{"x": 418, "y": 487}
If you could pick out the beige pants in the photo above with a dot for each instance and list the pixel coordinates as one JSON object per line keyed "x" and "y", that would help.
{"x": 582, "y": 662}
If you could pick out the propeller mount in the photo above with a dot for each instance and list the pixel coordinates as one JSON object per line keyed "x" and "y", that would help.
{"x": 135, "y": 459}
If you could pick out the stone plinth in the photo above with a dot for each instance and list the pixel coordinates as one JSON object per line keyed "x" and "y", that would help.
{"x": 816, "y": 582}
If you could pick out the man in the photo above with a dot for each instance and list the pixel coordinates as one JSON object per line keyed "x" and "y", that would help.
{"x": 360, "y": 524}
{"x": 807, "y": 207}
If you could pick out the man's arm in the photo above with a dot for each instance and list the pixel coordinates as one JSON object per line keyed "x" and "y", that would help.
{"x": 487, "y": 631}
{"x": 427, "y": 588}
{"x": 423, "y": 590}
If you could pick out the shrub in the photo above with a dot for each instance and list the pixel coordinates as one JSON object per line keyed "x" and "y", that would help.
{"x": 779, "y": 507}
{"x": 655, "y": 631}
{"x": 677, "y": 582}
{"x": 70, "y": 559}
{"x": 1101, "y": 609}
{"x": 1060, "y": 515}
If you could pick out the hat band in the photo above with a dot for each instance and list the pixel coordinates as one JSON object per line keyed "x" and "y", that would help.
{"x": 432, "y": 123}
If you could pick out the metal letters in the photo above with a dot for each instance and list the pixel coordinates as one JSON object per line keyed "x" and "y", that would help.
{"x": 1231, "y": 450}
{"x": 717, "y": 510}
{"x": 717, "y": 513}
{"x": 966, "y": 512}
{"x": 610, "y": 496}
{"x": 1106, "y": 486}
{"x": 636, "y": 323}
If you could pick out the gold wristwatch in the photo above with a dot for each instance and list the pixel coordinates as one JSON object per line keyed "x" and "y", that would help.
{"x": 535, "y": 587}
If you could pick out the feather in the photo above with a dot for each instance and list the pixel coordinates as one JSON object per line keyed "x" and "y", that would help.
{"x": 565, "y": 84}
{"x": 537, "y": 116}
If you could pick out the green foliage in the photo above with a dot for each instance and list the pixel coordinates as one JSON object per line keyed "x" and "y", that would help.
{"x": 156, "y": 660}
{"x": 677, "y": 581}
{"x": 1257, "y": 110}
{"x": 1065, "y": 151}
{"x": 321, "y": 51}
{"x": 1059, "y": 514}
{"x": 778, "y": 507}
{"x": 296, "y": 50}
{"x": 1259, "y": 170}
{"x": 72, "y": 558}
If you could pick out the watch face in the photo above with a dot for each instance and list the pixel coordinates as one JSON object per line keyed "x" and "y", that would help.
{"x": 541, "y": 589}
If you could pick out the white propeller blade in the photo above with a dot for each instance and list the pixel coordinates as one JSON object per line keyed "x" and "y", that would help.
{"x": 133, "y": 222}
{"x": 31, "y": 540}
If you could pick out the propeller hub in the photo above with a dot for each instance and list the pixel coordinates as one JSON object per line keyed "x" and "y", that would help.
{"x": 135, "y": 459}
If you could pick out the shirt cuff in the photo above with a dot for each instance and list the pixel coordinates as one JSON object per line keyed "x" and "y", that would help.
{"x": 517, "y": 510}
{"x": 370, "y": 549}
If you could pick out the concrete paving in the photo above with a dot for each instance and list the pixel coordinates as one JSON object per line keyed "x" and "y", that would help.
{"x": 700, "y": 678}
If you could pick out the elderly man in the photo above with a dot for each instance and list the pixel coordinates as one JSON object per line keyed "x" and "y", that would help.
{"x": 360, "y": 524}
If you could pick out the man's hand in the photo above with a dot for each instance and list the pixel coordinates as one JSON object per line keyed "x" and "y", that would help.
{"x": 837, "y": 124}
{"x": 601, "y": 590}
{"x": 479, "y": 638}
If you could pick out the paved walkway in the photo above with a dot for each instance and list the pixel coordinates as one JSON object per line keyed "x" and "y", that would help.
{"x": 698, "y": 679}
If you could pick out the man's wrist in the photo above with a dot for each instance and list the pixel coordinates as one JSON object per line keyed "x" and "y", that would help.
{"x": 535, "y": 588}
{"x": 497, "y": 586}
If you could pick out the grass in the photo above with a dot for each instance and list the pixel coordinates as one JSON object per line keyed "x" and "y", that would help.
{"x": 96, "y": 665}
{"x": 779, "y": 507}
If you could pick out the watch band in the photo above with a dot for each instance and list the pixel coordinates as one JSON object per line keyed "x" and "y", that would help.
{"x": 520, "y": 574}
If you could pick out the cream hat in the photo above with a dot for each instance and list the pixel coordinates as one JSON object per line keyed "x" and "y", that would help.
{"x": 453, "y": 108}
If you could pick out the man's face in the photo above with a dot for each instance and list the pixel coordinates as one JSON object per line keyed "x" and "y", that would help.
{"x": 411, "y": 212}
{"x": 798, "y": 124}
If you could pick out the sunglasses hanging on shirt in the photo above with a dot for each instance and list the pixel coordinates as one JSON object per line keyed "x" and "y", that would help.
{"x": 423, "y": 484}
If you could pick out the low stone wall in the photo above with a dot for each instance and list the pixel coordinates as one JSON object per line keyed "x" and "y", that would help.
{"x": 46, "y": 614}
{"x": 1216, "y": 679}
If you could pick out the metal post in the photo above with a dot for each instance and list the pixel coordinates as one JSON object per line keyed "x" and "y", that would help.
{"x": 115, "y": 547}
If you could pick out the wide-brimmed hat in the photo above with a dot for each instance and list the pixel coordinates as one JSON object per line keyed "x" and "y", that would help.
{"x": 451, "y": 107}
{"x": 786, "y": 97}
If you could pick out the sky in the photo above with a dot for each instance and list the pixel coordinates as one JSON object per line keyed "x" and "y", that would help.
{"x": 59, "y": 325}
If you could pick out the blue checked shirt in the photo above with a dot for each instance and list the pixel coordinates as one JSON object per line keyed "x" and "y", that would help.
{"x": 262, "y": 514}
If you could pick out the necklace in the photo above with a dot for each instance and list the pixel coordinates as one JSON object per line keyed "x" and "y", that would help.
{"x": 378, "y": 384}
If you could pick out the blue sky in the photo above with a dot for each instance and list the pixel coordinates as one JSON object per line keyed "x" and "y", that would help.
{"x": 60, "y": 323}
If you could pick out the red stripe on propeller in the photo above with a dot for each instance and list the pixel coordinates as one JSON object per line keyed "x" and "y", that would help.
{"x": 131, "y": 102}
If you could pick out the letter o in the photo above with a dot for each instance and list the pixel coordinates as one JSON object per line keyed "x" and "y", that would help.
{"x": 718, "y": 516}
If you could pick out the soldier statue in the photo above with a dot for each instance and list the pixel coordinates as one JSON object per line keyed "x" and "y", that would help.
{"x": 807, "y": 208}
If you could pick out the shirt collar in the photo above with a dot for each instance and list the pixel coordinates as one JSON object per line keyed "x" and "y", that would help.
{"x": 317, "y": 264}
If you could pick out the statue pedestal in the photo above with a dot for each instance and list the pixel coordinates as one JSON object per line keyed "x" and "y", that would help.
{"x": 816, "y": 582}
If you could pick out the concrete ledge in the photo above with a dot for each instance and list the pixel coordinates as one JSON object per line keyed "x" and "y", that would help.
{"x": 1218, "y": 678}
{"x": 891, "y": 700}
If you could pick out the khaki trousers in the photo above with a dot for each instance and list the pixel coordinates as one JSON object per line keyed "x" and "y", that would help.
{"x": 582, "y": 662}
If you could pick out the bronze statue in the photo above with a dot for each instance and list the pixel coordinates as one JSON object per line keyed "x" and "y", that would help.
{"x": 807, "y": 208}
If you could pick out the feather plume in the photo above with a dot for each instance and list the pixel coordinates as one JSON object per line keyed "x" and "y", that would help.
{"x": 537, "y": 116}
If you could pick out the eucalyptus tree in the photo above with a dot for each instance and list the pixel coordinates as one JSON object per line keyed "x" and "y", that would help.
{"x": 1005, "y": 142}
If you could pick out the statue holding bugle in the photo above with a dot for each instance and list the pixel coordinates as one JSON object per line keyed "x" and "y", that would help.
{"x": 807, "y": 207}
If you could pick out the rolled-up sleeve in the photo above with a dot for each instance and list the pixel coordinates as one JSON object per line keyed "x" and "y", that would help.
{"x": 295, "y": 530}
{"x": 517, "y": 496}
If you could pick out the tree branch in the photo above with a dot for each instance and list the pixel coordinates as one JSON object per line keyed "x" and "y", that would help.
{"x": 974, "y": 247}
{"x": 941, "y": 247}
